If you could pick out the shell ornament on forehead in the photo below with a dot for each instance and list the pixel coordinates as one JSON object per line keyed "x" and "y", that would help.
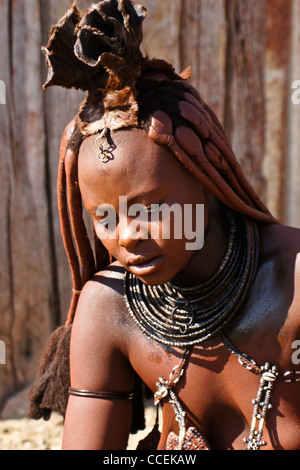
{"x": 106, "y": 146}
{"x": 99, "y": 52}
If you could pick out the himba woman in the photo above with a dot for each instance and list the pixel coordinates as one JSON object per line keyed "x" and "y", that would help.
{"x": 210, "y": 330}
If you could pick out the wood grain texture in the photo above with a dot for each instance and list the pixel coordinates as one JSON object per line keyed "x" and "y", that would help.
{"x": 291, "y": 195}
{"x": 277, "y": 96}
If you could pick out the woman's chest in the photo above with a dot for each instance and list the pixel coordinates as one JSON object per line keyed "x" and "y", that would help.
{"x": 237, "y": 407}
{"x": 226, "y": 401}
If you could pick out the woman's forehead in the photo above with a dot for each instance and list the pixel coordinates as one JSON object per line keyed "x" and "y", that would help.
{"x": 139, "y": 170}
{"x": 122, "y": 151}
{"x": 137, "y": 165}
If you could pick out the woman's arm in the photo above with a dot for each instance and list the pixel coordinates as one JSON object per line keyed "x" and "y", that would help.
{"x": 98, "y": 363}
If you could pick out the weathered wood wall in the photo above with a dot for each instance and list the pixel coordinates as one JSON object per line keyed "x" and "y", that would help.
{"x": 244, "y": 55}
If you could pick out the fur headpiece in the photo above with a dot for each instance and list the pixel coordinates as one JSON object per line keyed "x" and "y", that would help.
{"x": 99, "y": 52}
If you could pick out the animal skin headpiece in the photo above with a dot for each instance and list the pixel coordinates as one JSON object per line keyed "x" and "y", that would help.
{"x": 100, "y": 53}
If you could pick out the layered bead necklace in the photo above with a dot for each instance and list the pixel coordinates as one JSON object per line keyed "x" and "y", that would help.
{"x": 185, "y": 316}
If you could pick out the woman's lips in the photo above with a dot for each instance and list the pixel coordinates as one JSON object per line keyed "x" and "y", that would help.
{"x": 140, "y": 266}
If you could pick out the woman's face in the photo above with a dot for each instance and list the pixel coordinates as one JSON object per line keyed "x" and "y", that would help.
{"x": 150, "y": 240}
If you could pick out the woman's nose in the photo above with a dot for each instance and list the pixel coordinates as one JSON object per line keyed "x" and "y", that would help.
{"x": 131, "y": 232}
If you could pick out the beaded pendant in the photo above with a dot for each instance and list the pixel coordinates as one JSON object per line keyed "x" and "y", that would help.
{"x": 193, "y": 441}
{"x": 191, "y": 438}
{"x": 261, "y": 404}
{"x": 261, "y": 407}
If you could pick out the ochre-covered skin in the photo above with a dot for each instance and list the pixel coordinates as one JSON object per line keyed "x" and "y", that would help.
{"x": 216, "y": 390}
{"x": 154, "y": 115}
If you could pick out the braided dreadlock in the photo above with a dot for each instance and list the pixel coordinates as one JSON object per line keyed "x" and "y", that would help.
{"x": 99, "y": 52}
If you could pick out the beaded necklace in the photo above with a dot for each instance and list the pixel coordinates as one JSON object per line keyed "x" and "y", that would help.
{"x": 185, "y": 316}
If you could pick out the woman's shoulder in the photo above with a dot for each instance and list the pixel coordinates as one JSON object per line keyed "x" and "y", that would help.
{"x": 101, "y": 309}
{"x": 280, "y": 241}
{"x": 105, "y": 285}
{"x": 281, "y": 250}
